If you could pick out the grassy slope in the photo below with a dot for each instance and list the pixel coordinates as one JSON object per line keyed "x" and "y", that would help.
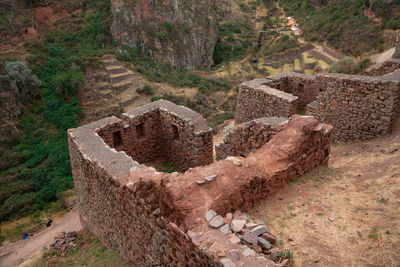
{"x": 37, "y": 169}
{"x": 88, "y": 252}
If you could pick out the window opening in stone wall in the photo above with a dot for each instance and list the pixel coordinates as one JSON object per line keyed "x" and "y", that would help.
{"x": 175, "y": 132}
{"x": 117, "y": 138}
{"x": 140, "y": 130}
{"x": 301, "y": 87}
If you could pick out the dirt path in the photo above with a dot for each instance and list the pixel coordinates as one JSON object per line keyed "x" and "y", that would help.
{"x": 344, "y": 215}
{"x": 20, "y": 251}
{"x": 382, "y": 57}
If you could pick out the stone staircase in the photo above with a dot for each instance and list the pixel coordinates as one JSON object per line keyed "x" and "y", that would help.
{"x": 112, "y": 90}
{"x": 119, "y": 77}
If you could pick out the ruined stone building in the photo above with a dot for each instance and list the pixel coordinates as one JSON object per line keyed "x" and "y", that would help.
{"x": 358, "y": 107}
{"x": 157, "y": 219}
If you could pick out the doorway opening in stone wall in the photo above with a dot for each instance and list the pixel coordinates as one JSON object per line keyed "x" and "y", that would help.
{"x": 117, "y": 140}
{"x": 140, "y": 131}
{"x": 175, "y": 132}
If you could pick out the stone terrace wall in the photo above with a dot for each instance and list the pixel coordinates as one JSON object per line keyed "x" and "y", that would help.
{"x": 157, "y": 219}
{"x": 386, "y": 68}
{"x": 162, "y": 130}
{"x": 359, "y": 107}
{"x": 256, "y": 100}
{"x": 248, "y": 137}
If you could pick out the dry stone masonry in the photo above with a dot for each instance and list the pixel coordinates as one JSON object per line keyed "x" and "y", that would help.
{"x": 257, "y": 100}
{"x": 157, "y": 219}
{"x": 162, "y": 130}
{"x": 385, "y": 68}
{"x": 248, "y": 137}
{"x": 359, "y": 107}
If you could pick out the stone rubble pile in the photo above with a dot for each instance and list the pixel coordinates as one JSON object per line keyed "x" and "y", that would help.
{"x": 64, "y": 242}
{"x": 243, "y": 231}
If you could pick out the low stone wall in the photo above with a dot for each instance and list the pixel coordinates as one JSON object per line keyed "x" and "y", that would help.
{"x": 386, "y": 68}
{"x": 248, "y": 137}
{"x": 330, "y": 51}
{"x": 256, "y": 100}
{"x": 320, "y": 56}
{"x": 286, "y": 57}
{"x": 162, "y": 130}
{"x": 157, "y": 219}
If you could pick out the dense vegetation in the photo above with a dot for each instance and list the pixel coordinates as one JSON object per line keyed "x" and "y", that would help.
{"x": 234, "y": 39}
{"x": 344, "y": 23}
{"x": 36, "y": 167}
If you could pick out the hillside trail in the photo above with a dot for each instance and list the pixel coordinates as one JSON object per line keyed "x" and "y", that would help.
{"x": 382, "y": 57}
{"x": 23, "y": 250}
{"x": 346, "y": 214}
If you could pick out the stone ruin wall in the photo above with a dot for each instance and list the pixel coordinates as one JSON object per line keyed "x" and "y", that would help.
{"x": 255, "y": 100}
{"x": 124, "y": 213}
{"x": 154, "y": 219}
{"x": 162, "y": 130}
{"x": 247, "y": 137}
{"x": 386, "y": 68}
{"x": 302, "y": 86}
{"x": 359, "y": 107}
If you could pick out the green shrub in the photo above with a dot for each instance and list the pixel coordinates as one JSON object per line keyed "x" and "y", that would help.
{"x": 145, "y": 90}
{"x": 38, "y": 166}
{"x": 20, "y": 80}
{"x": 349, "y": 65}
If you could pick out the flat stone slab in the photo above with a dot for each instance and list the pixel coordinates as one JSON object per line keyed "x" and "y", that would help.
{"x": 237, "y": 225}
{"x": 226, "y": 229}
{"x": 210, "y": 214}
{"x": 216, "y": 222}
{"x": 259, "y": 230}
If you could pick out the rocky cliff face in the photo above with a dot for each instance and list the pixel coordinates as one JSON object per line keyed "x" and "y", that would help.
{"x": 181, "y": 32}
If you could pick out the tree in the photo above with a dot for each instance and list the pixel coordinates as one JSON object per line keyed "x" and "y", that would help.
{"x": 19, "y": 80}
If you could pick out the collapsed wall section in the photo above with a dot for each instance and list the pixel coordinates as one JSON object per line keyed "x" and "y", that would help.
{"x": 162, "y": 130}
{"x": 257, "y": 100}
{"x": 247, "y": 137}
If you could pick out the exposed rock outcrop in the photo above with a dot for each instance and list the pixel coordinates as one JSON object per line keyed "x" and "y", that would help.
{"x": 180, "y": 32}
{"x": 396, "y": 54}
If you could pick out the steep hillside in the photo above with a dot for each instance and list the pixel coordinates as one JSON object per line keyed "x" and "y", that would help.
{"x": 179, "y": 32}
{"x": 352, "y": 26}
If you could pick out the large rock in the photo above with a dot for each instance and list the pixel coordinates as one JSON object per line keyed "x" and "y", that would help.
{"x": 181, "y": 32}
